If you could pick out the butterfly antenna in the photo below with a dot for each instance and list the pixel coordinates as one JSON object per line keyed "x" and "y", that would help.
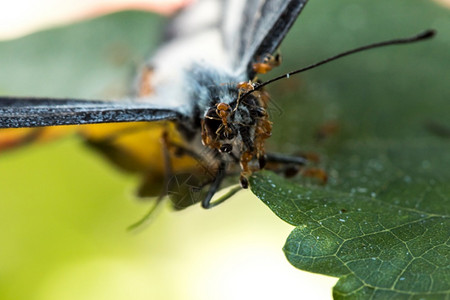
{"x": 420, "y": 37}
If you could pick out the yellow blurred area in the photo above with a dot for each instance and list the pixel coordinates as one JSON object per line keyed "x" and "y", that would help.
{"x": 12, "y": 138}
{"x": 133, "y": 147}
{"x": 140, "y": 144}
{"x": 64, "y": 214}
{"x": 444, "y": 2}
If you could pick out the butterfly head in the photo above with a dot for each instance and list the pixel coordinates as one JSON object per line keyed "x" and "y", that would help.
{"x": 237, "y": 130}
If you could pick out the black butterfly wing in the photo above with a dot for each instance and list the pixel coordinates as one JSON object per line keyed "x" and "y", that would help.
{"x": 36, "y": 112}
{"x": 263, "y": 26}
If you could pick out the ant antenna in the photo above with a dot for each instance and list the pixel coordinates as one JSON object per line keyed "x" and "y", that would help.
{"x": 420, "y": 37}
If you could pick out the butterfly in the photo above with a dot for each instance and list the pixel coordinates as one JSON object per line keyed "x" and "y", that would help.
{"x": 198, "y": 102}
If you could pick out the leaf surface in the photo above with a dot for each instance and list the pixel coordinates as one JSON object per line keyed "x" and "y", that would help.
{"x": 381, "y": 224}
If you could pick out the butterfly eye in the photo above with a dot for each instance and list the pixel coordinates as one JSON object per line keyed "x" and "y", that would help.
{"x": 211, "y": 120}
{"x": 226, "y": 148}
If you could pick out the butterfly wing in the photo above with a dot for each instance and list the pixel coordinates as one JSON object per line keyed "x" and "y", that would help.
{"x": 36, "y": 112}
{"x": 245, "y": 30}
{"x": 128, "y": 142}
{"x": 262, "y": 27}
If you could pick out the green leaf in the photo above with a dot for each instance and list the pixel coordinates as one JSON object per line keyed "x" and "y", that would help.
{"x": 381, "y": 224}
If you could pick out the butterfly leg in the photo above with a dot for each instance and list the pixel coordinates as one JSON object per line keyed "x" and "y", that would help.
{"x": 220, "y": 175}
{"x": 168, "y": 170}
{"x": 168, "y": 173}
{"x": 286, "y": 159}
{"x": 292, "y": 165}
{"x": 211, "y": 176}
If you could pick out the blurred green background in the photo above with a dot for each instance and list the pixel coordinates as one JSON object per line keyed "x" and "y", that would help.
{"x": 64, "y": 209}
